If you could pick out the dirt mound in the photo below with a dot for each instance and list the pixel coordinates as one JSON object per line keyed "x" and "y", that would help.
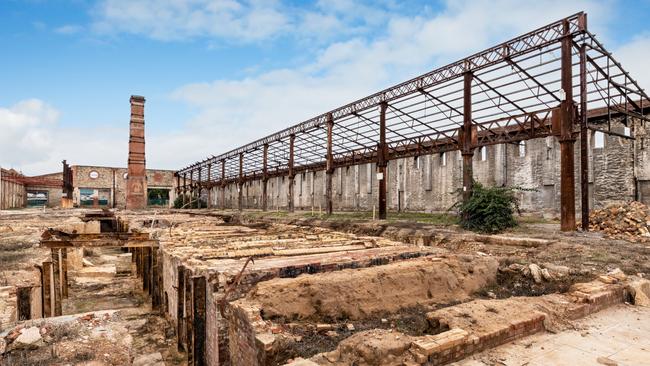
{"x": 373, "y": 347}
{"x": 629, "y": 221}
{"x": 356, "y": 294}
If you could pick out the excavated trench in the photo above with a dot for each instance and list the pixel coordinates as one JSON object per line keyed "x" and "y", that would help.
{"x": 315, "y": 314}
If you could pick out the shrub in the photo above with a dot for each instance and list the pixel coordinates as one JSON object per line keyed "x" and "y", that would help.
{"x": 178, "y": 202}
{"x": 489, "y": 209}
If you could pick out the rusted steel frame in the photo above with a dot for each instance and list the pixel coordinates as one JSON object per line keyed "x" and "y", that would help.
{"x": 420, "y": 122}
{"x": 503, "y": 96}
{"x": 566, "y": 115}
{"x": 316, "y": 141}
{"x": 382, "y": 162}
{"x": 450, "y": 107}
{"x": 584, "y": 150}
{"x": 184, "y": 188}
{"x": 466, "y": 137}
{"x": 530, "y": 77}
{"x": 521, "y": 45}
{"x": 616, "y": 85}
{"x": 198, "y": 187}
{"x": 46, "y": 284}
{"x": 329, "y": 165}
{"x": 340, "y": 146}
{"x": 600, "y": 48}
{"x": 386, "y": 127}
{"x": 209, "y": 188}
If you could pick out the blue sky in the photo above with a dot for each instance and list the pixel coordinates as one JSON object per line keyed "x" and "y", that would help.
{"x": 218, "y": 73}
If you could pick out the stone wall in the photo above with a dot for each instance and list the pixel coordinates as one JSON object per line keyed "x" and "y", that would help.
{"x": 619, "y": 171}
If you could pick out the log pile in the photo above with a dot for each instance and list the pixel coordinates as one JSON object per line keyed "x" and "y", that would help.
{"x": 630, "y": 221}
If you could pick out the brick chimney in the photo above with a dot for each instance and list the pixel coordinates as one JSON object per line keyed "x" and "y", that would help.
{"x": 136, "y": 185}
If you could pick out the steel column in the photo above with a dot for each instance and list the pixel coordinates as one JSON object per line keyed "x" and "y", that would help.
{"x": 467, "y": 146}
{"x": 184, "y": 188}
{"x": 382, "y": 161}
{"x": 223, "y": 184}
{"x": 210, "y": 188}
{"x": 567, "y": 178}
{"x": 329, "y": 165}
{"x": 584, "y": 151}
{"x": 265, "y": 177}
{"x": 292, "y": 175}
{"x": 198, "y": 188}
{"x": 240, "y": 184}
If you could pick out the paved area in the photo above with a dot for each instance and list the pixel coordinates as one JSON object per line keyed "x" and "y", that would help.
{"x": 617, "y": 336}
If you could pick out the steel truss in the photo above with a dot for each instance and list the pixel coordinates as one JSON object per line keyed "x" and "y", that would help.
{"x": 518, "y": 90}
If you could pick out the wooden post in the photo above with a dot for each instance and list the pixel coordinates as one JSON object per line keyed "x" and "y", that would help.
{"x": 189, "y": 319}
{"x": 24, "y": 303}
{"x": 155, "y": 285}
{"x": 56, "y": 280}
{"x": 330, "y": 165}
{"x": 180, "y": 308}
{"x": 46, "y": 284}
{"x": 199, "y": 305}
{"x": 64, "y": 272}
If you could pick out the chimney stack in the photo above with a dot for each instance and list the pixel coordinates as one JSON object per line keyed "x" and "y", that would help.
{"x": 136, "y": 187}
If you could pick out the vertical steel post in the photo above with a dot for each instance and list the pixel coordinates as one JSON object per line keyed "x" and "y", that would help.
{"x": 265, "y": 177}
{"x": 240, "y": 184}
{"x": 198, "y": 187}
{"x": 184, "y": 189}
{"x": 567, "y": 178}
{"x": 584, "y": 151}
{"x": 209, "y": 185}
{"x": 329, "y": 165}
{"x": 223, "y": 184}
{"x": 292, "y": 175}
{"x": 382, "y": 161}
{"x": 467, "y": 146}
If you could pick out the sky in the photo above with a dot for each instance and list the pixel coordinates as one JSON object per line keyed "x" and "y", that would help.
{"x": 217, "y": 74}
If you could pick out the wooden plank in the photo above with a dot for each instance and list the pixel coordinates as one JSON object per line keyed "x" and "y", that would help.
{"x": 56, "y": 279}
{"x": 180, "y": 308}
{"x": 99, "y": 243}
{"x": 46, "y": 288}
{"x": 199, "y": 313}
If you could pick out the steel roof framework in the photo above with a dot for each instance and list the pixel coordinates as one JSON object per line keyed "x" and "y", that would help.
{"x": 508, "y": 93}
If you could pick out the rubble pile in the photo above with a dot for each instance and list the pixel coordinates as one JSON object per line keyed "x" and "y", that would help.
{"x": 629, "y": 222}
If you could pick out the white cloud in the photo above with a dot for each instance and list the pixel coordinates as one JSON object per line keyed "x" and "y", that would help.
{"x": 68, "y": 29}
{"x": 33, "y": 141}
{"x": 177, "y": 20}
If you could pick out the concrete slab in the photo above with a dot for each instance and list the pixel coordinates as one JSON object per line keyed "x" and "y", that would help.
{"x": 620, "y": 333}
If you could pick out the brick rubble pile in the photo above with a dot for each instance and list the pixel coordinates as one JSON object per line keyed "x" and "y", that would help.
{"x": 630, "y": 221}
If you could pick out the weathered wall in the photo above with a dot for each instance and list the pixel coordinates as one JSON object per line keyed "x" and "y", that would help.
{"x": 114, "y": 180}
{"x": 430, "y": 183}
{"x": 12, "y": 194}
